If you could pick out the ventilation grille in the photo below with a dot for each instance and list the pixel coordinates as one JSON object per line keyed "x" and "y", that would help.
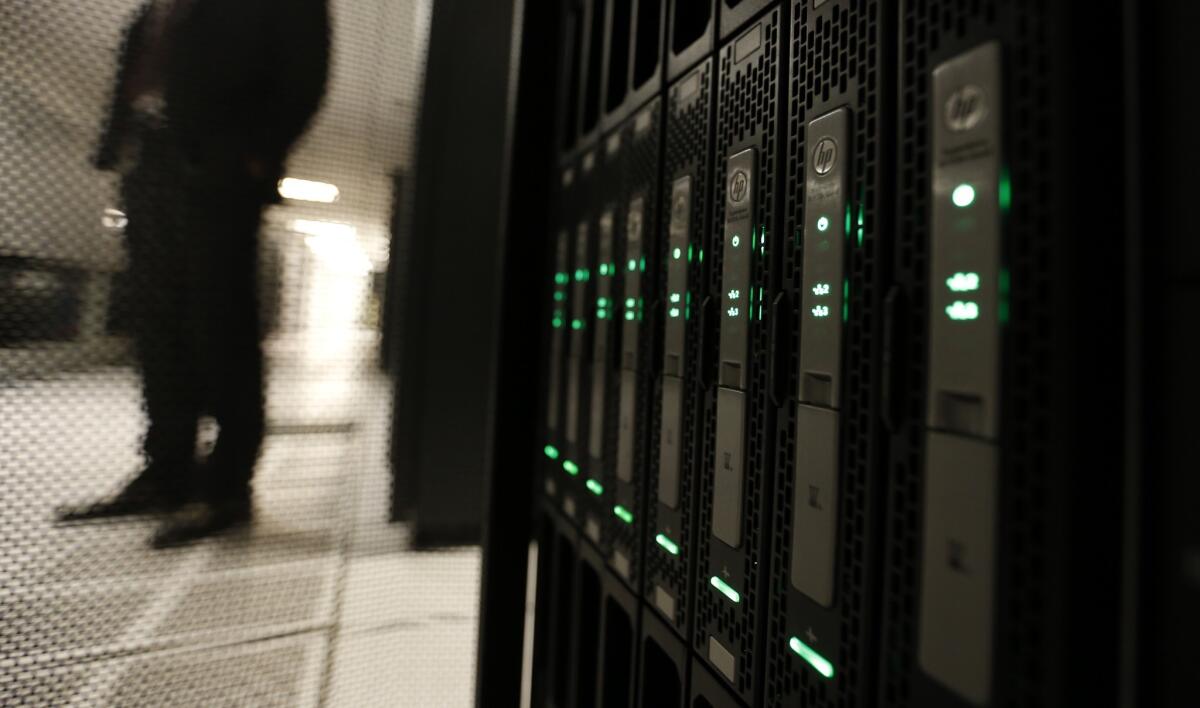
{"x": 747, "y": 108}
{"x": 687, "y": 148}
{"x": 835, "y": 61}
{"x": 932, "y": 32}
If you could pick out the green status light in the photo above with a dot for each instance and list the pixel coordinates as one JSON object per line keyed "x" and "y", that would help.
{"x": 667, "y": 544}
{"x": 823, "y": 224}
{"x": 623, "y": 514}
{"x": 595, "y": 487}
{"x": 963, "y": 196}
{"x": 725, "y": 589}
{"x": 960, "y": 311}
{"x": 570, "y": 467}
{"x": 818, "y": 662}
{"x": 963, "y": 282}
{"x": 551, "y": 452}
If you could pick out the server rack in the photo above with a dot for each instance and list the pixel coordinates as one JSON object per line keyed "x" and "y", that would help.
{"x": 738, "y": 433}
{"x": 673, "y": 460}
{"x": 633, "y": 306}
{"x": 1001, "y": 579}
{"x": 828, "y": 368}
{"x": 964, "y": 372}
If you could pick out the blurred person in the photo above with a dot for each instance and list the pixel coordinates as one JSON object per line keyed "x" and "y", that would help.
{"x": 209, "y": 97}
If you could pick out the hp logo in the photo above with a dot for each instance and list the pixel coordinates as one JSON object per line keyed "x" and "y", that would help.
{"x": 824, "y": 156}
{"x": 966, "y": 108}
{"x": 739, "y": 186}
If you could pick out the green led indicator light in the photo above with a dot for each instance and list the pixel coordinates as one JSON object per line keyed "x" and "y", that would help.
{"x": 632, "y": 264}
{"x": 725, "y": 589}
{"x": 602, "y": 301}
{"x": 701, "y": 255}
{"x": 560, "y": 296}
{"x": 689, "y": 253}
{"x": 677, "y": 253}
{"x": 551, "y": 452}
{"x": 823, "y": 224}
{"x": 557, "y": 322}
{"x": 860, "y": 225}
{"x": 570, "y": 467}
{"x": 963, "y": 196}
{"x": 818, "y": 662}
{"x": 963, "y": 282}
{"x": 667, "y": 544}
{"x": 576, "y": 324}
{"x": 675, "y": 297}
{"x": 735, "y": 241}
{"x": 960, "y": 311}
{"x": 629, "y": 315}
{"x": 603, "y": 269}
{"x": 1004, "y": 194}
{"x": 623, "y": 514}
{"x": 595, "y": 487}
{"x": 673, "y": 312}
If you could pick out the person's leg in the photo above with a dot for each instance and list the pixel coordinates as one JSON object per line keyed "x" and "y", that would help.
{"x": 165, "y": 358}
{"x": 223, "y": 245}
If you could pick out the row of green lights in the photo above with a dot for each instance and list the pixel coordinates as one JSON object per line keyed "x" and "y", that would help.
{"x": 725, "y": 589}
{"x": 594, "y": 487}
{"x": 623, "y": 514}
{"x": 961, "y": 311}
{"x": 551, "y": 452}
{"x": 582, "y": 274}
{"x": 608, "y": 269}
{"x": 963, "y": 282}
{"x": 570, "y": 468}
{"x": 667, "y": 544}
{"x": 818, "y": 662}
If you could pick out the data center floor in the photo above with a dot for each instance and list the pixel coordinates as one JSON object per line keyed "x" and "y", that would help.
{"x": 321, "y": 602}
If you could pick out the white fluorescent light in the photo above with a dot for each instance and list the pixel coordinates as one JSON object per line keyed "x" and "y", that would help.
{"x": 303, "y": 190}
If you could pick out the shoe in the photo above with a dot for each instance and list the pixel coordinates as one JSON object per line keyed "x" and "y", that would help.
{"x": 203, "y": 519}
{"x": 142, "y": 496}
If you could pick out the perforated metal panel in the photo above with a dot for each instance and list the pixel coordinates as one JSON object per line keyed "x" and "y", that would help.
{"x": 838, "y": 58}
{"x": 303, "y": 606}
{"x": 641, "y": 139}
{"x": 1052, "y": 469}
{"x": 748, "y": 102}
{"x": 688, "y": 140}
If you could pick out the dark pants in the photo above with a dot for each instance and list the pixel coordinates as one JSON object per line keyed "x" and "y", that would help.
{"x": 192, "y": 239}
